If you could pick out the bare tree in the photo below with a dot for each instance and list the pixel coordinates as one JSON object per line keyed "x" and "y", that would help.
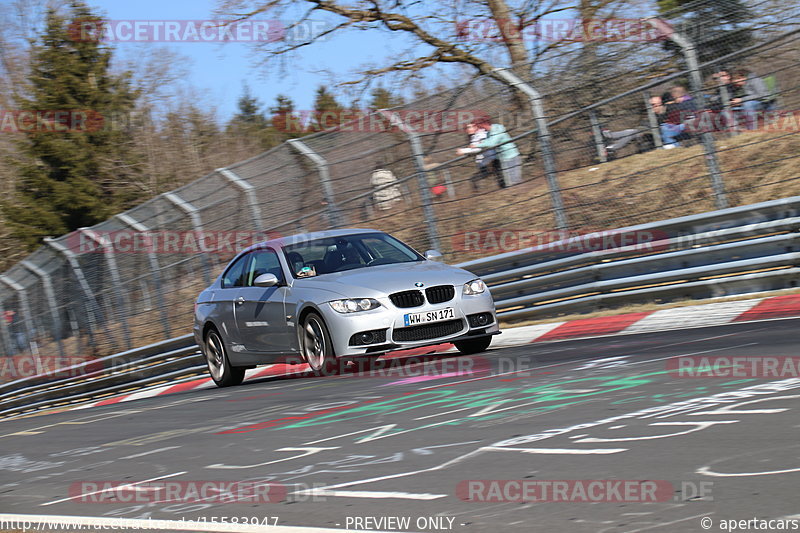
{"x": 481, "y": 34}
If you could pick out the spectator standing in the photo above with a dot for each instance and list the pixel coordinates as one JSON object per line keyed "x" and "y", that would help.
{"x": 390, "y": 194}
{"x": 13, "y": 326}
{"x": 507, "y": 152}
{"x": 485, "y": 160}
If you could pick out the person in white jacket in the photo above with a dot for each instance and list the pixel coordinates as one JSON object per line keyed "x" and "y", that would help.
{"x": 389, "y": 194}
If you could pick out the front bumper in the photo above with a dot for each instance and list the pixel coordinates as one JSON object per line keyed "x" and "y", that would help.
{"x": 390, "y": 319}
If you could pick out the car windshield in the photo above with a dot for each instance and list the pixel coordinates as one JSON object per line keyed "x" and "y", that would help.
{"x": 346, "y": 252}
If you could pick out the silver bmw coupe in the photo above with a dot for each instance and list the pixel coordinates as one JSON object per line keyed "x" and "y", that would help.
{"x": 331, "y": 297}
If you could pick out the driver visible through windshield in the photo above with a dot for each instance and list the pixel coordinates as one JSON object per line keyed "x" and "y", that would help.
{"x": 346, "y": 252}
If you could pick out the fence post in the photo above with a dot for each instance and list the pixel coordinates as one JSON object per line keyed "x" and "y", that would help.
{"x": 422, "y": 176}
{"x": 92, "y": 309}
{"x": 9, "y": 344}
{"x": 544, "y": 143}
{"x": 335, "y": 217}
{"x": 47, "y": 284}
{"x": 597, "y": 133}
{"x": 655, "y": 131}
{"x": 27, "y": 316}
{"x": 726, "y": 108}
{"x": 123, "y": 309}
{"x": 249, "y": 191}
{"x": 696, "y": 80}
{"x": 155, "y": 270}
{"x": 197, "y": 225}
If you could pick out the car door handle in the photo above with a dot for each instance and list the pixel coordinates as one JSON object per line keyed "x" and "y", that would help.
{"x": 240, "y": 300}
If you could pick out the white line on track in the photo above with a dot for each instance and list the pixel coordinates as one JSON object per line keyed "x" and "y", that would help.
{"x": 148, "y": 453}
{"x": 442, "y": 466}
{"x": 372, "y": 494}
{"x": 706, "y": 471}
{"x": 306, "y": 452}
{"x": 114, "y": 488}
{"x": 557, "y": 451}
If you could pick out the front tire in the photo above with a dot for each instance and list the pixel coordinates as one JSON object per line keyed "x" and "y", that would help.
{"x": 219, "y": 366}
{"x": 317, "y": 346}
{"x": 471, "y": 346}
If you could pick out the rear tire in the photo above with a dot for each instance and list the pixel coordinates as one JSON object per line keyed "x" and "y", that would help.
{"x": 471, "y": 346}
{"x": 317, "y": 346}
{"x": 219, "y": 366}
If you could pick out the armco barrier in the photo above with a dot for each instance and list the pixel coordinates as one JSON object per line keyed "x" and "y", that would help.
{"x": 731, "y": 251}
{"x": 172, "y": 359}
{"x": 680, "y": 230}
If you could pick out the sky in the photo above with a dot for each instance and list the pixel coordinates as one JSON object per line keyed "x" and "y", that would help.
{"x": 219, "y": 70}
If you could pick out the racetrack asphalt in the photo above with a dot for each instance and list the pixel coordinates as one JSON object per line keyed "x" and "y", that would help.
{"x": 416, "y": 440}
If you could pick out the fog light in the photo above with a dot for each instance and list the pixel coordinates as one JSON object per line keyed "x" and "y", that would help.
{"x": 479, "y": 320}
{"x": 364, "y": 338}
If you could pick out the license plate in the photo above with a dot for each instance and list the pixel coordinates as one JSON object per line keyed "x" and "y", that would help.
{"x": 412, "y": 319}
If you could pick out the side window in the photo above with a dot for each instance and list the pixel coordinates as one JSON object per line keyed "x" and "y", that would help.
{"x": 264, "y": 262}
{"x": 235, "y": 275}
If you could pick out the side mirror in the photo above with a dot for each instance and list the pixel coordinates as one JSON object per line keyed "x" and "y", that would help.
{"x": 266, "y": 280}
{"x": 434, "y": 255}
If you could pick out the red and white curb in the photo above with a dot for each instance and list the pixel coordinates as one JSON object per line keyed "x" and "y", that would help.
{"x": 702, "y": 315}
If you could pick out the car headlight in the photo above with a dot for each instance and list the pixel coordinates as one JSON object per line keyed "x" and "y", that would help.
{"x": 354, "y": 305}
{"x": 475, "y": 286}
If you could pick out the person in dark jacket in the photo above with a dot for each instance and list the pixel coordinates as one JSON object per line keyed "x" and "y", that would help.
{"x": 679, "y": 107}
{"x": 754, "y": 97}
{"x": 721, "y": 79}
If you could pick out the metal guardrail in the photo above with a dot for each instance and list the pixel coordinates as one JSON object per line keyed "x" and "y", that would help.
{"x": 173, "y": 360}
{"x": 737, "y": 250}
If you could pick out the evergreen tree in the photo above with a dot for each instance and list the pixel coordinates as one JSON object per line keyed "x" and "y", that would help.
{"x": 70, "y": 179}
{"x": 251, "y": 122}
{"x": 328, "y": 113}
{"x": 284, "y": 119}
{"x": 384, "y": 99}
{"x": 250, "y": 111}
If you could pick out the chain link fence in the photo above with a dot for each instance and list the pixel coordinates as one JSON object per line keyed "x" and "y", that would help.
{"x": 591, "y": 142}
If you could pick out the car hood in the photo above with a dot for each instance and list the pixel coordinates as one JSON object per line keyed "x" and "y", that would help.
{"x": 386, "y": 279}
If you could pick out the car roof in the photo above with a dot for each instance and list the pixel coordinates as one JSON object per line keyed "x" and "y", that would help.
{"x": 305, "y": 237}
